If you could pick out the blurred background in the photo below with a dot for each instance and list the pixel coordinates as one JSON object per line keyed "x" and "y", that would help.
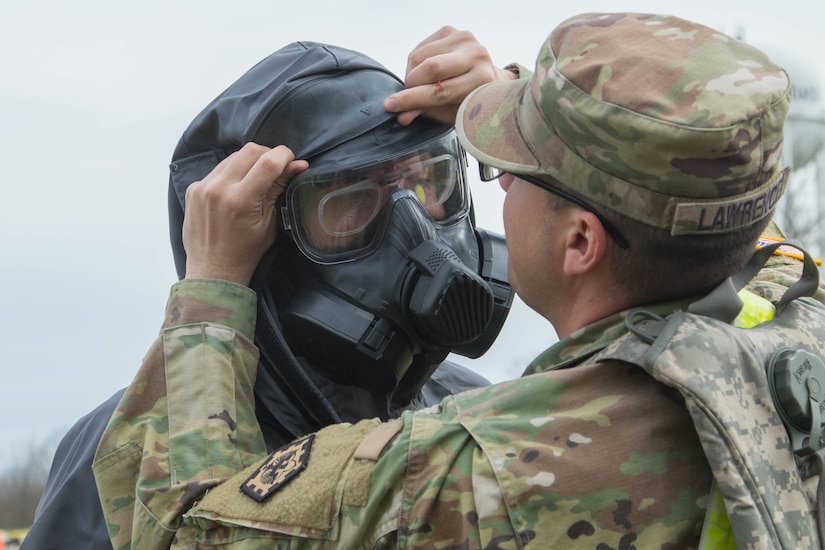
{"x": 96, "y": 94}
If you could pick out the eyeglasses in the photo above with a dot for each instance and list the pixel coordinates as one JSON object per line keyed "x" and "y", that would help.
{"x": 489, "y": 173}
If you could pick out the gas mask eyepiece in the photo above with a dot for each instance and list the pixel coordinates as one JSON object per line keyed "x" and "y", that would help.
{"x": 336, "y": 216}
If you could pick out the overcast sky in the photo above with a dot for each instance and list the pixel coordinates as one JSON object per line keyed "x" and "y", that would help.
{"x": 95, "y": 95}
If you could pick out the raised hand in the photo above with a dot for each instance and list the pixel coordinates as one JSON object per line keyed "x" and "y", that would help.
{"x": 230, "y": 219}
{"x": 441, "y": 71}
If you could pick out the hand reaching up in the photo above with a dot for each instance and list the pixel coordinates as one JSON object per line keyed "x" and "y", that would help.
{"x": 441, "y": 71}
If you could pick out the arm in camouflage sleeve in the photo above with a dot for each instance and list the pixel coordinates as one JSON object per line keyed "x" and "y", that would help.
{"x": 179, "y": 431}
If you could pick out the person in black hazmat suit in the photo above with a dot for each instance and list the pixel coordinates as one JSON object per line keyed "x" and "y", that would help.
{"x": 377, "y": 274}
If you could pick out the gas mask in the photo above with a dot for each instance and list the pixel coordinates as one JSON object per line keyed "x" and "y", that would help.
{"x": 396, "y": 268}
{"x": 378, "y": 271}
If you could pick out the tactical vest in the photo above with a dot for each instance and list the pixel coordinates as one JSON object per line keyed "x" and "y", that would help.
{"x": 756, "y": 397}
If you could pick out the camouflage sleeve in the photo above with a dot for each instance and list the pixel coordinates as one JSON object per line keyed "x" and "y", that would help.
{"x": 613, "y": 463}
{"x": 408, "y": 483}
{"x": 187, "y": 420}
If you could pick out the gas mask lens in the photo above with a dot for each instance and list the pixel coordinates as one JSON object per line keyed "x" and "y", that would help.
{"x": 339, "y": 216}
{"x": 350, "y": 208}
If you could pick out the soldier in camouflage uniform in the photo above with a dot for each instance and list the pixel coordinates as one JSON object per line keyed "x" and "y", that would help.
{"x": 641, "y": 161}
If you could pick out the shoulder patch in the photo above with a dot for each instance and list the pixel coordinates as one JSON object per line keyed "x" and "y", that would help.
{"x": 278, "y": 469}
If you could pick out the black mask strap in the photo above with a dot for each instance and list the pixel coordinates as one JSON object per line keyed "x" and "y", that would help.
{"x": 286, "y": 400}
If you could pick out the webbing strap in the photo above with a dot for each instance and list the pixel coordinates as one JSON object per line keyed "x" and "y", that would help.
{"x": 724, "y": 304}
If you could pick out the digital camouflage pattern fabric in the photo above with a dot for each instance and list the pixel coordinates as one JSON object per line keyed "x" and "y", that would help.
{"x": 730, "y": 401}
{"x": 687, "y": 140}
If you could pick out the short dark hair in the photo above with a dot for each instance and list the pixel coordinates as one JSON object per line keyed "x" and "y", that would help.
{"x": 659, "y": 266}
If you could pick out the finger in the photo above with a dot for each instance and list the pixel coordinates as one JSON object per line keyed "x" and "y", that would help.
{"x": 417, "y": 55}
{"x": 460, "y": 70}
{"x": 448, "y": 56}
{"x": 267, "y": 170}
{"x": 437, "y": 68}
{"x": 244, "y": 158}
{"x": 281, "y": 182}
{"x": 267, "y": 204}
{"x": 233, "y": 168}
{"x": 427, "y": 96}
{"x": 412, "y": 99}
{"x": 241, "y": 161}
{"x": 221, "y": 166}
{"x": 438, "y": 102}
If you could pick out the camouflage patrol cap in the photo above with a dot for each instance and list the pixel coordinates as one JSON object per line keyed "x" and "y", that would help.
{"x": 661, "y": 119}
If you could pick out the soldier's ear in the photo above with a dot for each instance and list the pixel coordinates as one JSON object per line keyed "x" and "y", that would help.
{"x": 585, "y": 242}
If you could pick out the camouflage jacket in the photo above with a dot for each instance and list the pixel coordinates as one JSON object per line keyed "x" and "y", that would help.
{"x": 577, "y": 453}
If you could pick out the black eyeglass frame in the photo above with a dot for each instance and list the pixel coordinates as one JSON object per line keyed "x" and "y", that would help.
{"x": 489, "y": 173}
